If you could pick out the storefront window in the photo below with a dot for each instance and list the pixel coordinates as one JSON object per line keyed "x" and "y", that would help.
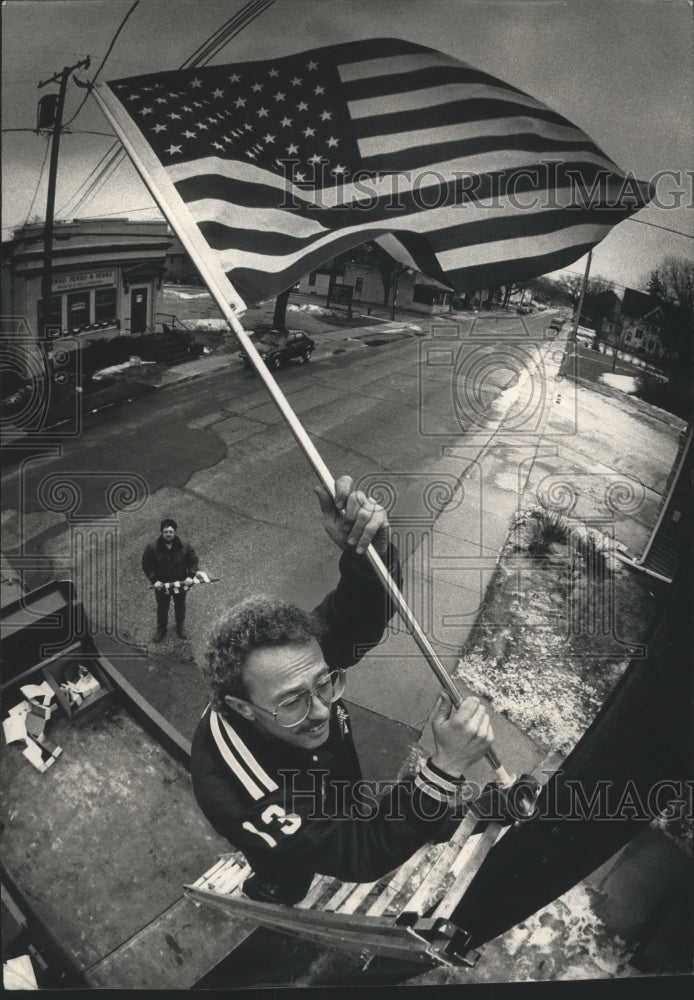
{"x": 105, "y": 305}
{"x": 77, "y": 310}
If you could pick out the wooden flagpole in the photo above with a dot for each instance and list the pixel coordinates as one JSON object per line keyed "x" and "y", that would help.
{"x": 229, "y": 302}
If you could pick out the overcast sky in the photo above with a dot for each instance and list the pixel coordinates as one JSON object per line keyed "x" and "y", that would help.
{"x": 620, "y": 69}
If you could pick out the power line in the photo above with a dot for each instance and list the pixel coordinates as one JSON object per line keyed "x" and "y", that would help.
{"x": 106, "y": 174}
{"x": 38, "y": 182}
{"x": 102, "y": 172}
{"x": 72, "y": 131}
{"x": 111, "y": 158}
{"x": 86, "y": 180}
{"x": 123, "y": 211}
{"x": 201, "y": 56}
{"x": 101, "y": 66}
{"x": 216, "y": 42}
{"x": 642, "y": 222}
{"x": 64, "y": 128}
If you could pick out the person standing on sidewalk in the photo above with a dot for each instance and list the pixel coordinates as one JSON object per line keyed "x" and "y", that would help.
{"x": 169, "y": 560}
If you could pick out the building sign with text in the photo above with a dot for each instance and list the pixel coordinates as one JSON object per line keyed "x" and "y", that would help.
{"x": 83, "y": 279}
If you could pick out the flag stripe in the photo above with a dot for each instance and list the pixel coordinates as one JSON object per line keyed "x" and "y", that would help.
{"x": 457, "y": 126}
{"x": 430, "y": 80}
{"x": 497, "y": 149}
{"x": 501, "y": 195}
{"x": 513, "y": 269}
{"x": 392, "y": 245}
{"x": 454, "y": 113}
{"x": 397, "y": 72}
{"x": 499, "y": 129}
{"x": 430, "y": 97}
{"x": 527, "y": 225}
{"x": 518, "y": 247}
{"x": 224, "y": 212}
{"x": 454, "y": 262}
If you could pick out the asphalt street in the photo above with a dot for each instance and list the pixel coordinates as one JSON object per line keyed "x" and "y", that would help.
{"x": 399, "y": 412}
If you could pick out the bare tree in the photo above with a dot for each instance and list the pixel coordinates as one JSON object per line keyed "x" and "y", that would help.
{"x": 677, "y": 275}
{"x": 672, "y": 286}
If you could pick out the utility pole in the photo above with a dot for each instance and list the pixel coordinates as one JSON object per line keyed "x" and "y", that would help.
{"x": 583, "y": 292}
{"x": 46, "y": 283}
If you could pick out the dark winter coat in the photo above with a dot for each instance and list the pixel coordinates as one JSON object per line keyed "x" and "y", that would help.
{"x": 168, "y": 565}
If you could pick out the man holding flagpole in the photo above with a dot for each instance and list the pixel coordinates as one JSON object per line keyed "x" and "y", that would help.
{"x": 273, "y": 763}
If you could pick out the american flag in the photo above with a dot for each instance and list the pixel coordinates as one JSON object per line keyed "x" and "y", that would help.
{"x": 271, "y": 168}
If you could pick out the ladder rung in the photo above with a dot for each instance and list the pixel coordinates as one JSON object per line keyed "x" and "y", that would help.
{"x": 480, "y": 847}
{"x": 233, "y": 879}
{"x": 219, "y": 871}
{"x": 359, "y": 893}
{"x": 424, "y": 895}
{"x": 320, "y": 885}
{"x": 398, "y": 881}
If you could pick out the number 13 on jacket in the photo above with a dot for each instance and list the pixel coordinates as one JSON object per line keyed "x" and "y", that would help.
{"x": 287, "y": 823}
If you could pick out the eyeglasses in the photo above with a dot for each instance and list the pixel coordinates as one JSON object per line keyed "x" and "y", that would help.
{"x": 292, "y": 711}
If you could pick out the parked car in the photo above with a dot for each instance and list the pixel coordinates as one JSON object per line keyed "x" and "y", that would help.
{"x": 524, "y": 310}
{"x": 277, "y": 348}
{"x": 556, "y": 323}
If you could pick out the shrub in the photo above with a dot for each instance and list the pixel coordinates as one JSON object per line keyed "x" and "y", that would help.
{"x": 545, "y": 527}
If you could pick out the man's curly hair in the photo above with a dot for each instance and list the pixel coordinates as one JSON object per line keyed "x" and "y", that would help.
{"x": 256, "y": 623}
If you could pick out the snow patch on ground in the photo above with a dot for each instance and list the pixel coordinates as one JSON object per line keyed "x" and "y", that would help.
{"x": 177, "y": 293}
{"x": 133, "y": 362}
{"x": 310, "y": 308}
{"x": 567, "y": 940}
{"x": 549, "y": 704}
{"x": 625, "y": 383}
{"x": 207, "y": 324}
{"x": 507, "y": 397}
